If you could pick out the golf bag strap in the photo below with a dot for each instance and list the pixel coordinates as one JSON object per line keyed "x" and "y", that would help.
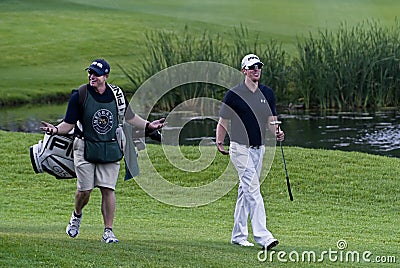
{"x": 82, "y": 91}
{"x": 121, "y": 103}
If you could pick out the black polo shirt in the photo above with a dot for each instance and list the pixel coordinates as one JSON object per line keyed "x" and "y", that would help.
{"x": 248, "y": 112}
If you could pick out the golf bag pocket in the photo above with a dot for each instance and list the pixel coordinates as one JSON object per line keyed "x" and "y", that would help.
{"x": 119, "y": 132}
{"x": 54, "y": 156}
{"x": 102, "y": 151}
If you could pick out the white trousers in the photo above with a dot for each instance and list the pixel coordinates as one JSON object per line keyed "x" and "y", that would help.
{"x": 248, "y": 163}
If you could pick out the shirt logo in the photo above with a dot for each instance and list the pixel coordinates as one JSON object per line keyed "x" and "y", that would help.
{"x": 102, "y": 121}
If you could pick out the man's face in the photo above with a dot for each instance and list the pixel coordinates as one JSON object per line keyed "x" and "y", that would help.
{"x": 96, "y": 80}
{"x": 253, "y": 72}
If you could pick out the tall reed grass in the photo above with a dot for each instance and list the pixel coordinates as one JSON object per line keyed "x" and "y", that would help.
{"x": 353, "y": 67}
{"x": 167, "y": 49}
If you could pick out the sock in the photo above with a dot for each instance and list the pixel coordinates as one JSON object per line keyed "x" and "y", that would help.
{"x": 76, "y": 215}
{"x": 105, "y": 229}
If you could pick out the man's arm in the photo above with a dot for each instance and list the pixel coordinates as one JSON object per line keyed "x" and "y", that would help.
{"x": 139, "y": 122}
{"x": 220, "y": 135}
{"x": 62, "y": 129}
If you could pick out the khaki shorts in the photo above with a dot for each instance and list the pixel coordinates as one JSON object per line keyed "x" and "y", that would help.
{"x": 92, "y": 175}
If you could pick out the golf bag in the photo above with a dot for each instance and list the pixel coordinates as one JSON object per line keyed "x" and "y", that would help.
{"x": 54, "y": 155}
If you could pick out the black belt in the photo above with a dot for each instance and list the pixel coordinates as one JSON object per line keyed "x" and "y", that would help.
{"x": 254, "y": 146}
{"x": 251, "y": 146}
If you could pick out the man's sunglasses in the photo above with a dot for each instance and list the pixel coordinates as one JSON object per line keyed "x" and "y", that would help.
{"x": 254, "y": 67}
{"x": 91, "y": 72}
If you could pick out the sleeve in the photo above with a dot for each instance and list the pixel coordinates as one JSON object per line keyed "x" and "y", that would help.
{"x": 129, "y": 113}
{"x": 73, "y": 109}
{"x": 270, "y": 96}
{"x": 272, "y": 104}
{"x": 226, "y": 106}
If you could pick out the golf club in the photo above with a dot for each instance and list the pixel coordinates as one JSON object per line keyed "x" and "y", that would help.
{"x": 284, "y": 161}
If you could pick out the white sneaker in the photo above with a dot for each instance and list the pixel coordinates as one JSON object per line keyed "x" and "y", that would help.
{"x": 244, "y": 243}
{"x": 109, "y": 237}
{"x": 73, "y": 226}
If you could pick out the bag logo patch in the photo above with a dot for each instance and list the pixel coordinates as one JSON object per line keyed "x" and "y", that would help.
{"x": 102, "y": 121}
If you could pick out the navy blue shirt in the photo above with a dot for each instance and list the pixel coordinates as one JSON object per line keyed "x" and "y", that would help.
{"x": 249, "y": 112}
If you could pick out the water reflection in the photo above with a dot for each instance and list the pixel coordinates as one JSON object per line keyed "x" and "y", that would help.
{"x": 371, "y": 132}
{"x": 27, "y": 118}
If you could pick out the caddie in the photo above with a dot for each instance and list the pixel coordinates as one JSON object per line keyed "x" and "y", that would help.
{"x": 98, "y": 145}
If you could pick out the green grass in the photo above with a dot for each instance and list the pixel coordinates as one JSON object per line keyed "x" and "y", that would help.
{"x": 45, "y": 44}
{"x": 337, "y": 195}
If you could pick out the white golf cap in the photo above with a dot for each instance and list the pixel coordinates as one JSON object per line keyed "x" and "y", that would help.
{"x": 250, "y": 60}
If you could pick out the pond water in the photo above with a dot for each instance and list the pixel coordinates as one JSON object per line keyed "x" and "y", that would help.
{"x": 376, "y": 132}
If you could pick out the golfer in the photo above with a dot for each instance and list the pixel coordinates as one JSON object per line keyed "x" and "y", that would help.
{"x": 96, "y": 149}
{"x": 249, "y": 107}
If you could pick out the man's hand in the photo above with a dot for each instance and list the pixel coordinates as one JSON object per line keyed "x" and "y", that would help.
{"x": 221, "y": 148}
{"x": 280, "y": 135}
{"x": 49, "y": 128}
{"x": 156, "y": 124}
{"x": 153, "y": 129}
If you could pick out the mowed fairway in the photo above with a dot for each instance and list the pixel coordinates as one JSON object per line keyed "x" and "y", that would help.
{"x": 46, "y": 44}
{"x": 337, "y": 196}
